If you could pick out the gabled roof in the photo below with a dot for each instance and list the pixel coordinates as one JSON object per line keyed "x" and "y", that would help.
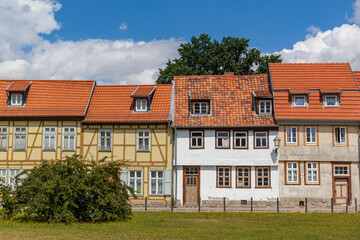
{"x": 115, "y": 104}
{"x": 47, "y": 98}
{"x": 232, "y": 102}
{"x": 18, "y": 86}
{"x": 143, "y": 91}
{"x": 357, "y": 75}
{"x": 318, "y": 79}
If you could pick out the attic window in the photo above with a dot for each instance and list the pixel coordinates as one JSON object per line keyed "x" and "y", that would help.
{"x": 141, "y": 105}
{"x": 16, "y": 99}
{"x": 200, "y": 107}
{"x": 265, "y": 106}
{"x": 331, "y": 101}
{"x": 299, "y": 100}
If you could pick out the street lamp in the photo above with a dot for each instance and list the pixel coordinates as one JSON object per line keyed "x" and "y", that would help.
{"x": 276, "y": 143}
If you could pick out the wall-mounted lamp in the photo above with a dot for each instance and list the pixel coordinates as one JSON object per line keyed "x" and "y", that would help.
{"x": 276, "y": 143}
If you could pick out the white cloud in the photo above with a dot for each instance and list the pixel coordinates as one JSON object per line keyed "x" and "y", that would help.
{"x": 123, "y": 26}
{"x": 120, "y": 61}
{"x": 313, "y": 30}
{"x": 356, "y": 15}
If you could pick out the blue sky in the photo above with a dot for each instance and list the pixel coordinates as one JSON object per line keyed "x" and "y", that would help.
{"x": 126, "y": 42}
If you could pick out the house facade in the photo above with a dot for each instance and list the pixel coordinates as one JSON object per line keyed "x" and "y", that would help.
{"x": 317, "y": 107}
{"x": 224, "y": 128}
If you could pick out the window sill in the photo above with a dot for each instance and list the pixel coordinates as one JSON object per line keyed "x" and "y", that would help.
{"x": 223, "y": 187}
{"x": 143, "y": 151}
{"x": 244, "y": 187}
{"x": 49, "y": 150}
{"x": 68, "y": 150}
{"x": 241, "y": 148}
{"x": 196, "y": 148}
{"x": 340, "y": 145}
{"x": 261, "y": 147}
{"x": 19, "y": 150}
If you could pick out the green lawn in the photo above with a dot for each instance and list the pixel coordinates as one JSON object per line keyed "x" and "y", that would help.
{"x": 165, "y": 225}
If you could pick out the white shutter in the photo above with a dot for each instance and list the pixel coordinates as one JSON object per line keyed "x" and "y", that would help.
{"x": 124, "y": 176}
{"x": 168, "y": 175}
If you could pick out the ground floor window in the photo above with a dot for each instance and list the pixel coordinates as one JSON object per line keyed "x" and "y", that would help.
{"x": 341, "y": 170}
{"x": 156, "y": 182}
{"x": 263, "y": 177}
{"x": 223, "y": 177}
{"x": 7, "y": 176}
{"x": 135, "y": 181}
{"x": 292, "y": 173}
{"x": 312, "y": 172}
{"x": 243, "y": 177}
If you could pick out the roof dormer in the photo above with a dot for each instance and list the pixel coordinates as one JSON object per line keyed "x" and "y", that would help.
{"x": 17, "y": 93}
{"x": 263, "y": 102}
{"x": 331, "y": 97}
{"x": 200, "y": 102}
{"x": 299, "y": 97}
{"x": 143, "y": 96}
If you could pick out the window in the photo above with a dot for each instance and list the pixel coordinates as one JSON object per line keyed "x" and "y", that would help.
{"x": 196, "y": 139}
{"x": 310, "y": 135}
{"x": 331, "y": 101}
{"x": 291, "y": 135}
{"x": 157, "y": 182}
{"x": 263, "y": 177}
{"x": 135, "y": 181}
{"x": 20, "y": 139}
{"x": 222, "y": 139}
{"x": 12, "y": 174}
{"x": 3, "y": 176}
{"x": 312, "y": 173}
{"x": 105, "y": 140}
{"x": 261, "y": 139}
{"x": 49, "y": 139}
{"x": 224, "y": 177}
{"x": 200, "y": 108}
{"x": 143, "y": 140}
{"x": 340, "y": 135}
{"x": 341, "y": 170}
{"x": 141, "y": 105}
{"x": 191, "y": 171}
{"x": 240, "y": 139}
{"x": 16, "y": 99}
{"x": 265, "y": 107}
{"x": 3, "y": 138}
{"x": 292, "y": 173}
{"x": 69, "y": 139}
{"x": 243, "y": 177}
{"x": 299, "y": 101}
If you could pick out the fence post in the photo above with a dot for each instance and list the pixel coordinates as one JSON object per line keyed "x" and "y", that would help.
{"x": 332, "y": 205}
{"x": 347, "y": 205}
{"x": 172, "y": 203}
{"x": 252, "y": 205}
{"x": 224, "y": 205}
{"x": 306, "y": 210}
{"x": 277, "y": 204}
{"x": 145, "y": 204}
{"x": 355, "y": 205}
{"x": 199, "y": 204}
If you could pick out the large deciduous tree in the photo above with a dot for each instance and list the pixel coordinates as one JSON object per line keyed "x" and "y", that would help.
{"x": 202, "y": 56}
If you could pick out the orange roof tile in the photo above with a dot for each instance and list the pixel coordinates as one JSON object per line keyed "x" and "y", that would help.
{"x": 200, "y": 95}
{"x": 231, "y": 100}
{"x": 263, "y": 94}
{"x": 312, "y": 76}
{"x": 18, "y": 86}
{"x": 48, "y": 98}
{"x": 357, "y": 75}
{"x": 115, "y": 104}
{"x": 143, "y": 91}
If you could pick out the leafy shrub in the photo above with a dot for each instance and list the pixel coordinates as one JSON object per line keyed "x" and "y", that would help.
{"x": 72, "y": 191}
{"x": 7, "y": 202}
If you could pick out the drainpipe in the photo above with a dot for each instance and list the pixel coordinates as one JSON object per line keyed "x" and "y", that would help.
{"x": 175, "y": 163}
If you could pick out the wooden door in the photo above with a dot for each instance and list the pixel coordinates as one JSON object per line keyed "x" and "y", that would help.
{"x": 341, "y": 190}
{"x": 191, "y": 186}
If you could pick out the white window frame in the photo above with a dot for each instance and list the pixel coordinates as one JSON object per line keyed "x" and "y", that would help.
{"x": 340, "y": 137}
{"x": 261, "y": 138}
{"x": 4, "y": 146}
{"x": 292, "y": 137}
{"x": 331, "y": 96}
{"x": 196, "y": 137}
{"x": 139, "y": 105}
{"x": 68, "y": 147}
{"x": 136, "y": 178}
{"x": 11, "y": 177}
{"x": 100, "y": 149}
{"x": 311, "y": 172}
{"x": 241, "y": 138}
{"x": 264, "y": 102}
{"x": 138, "y": 138}
{"x": 16, "y": 148}
{"x": 3, "y": 176}
{"x": 223, "y": 140}
{"x": 311, "y": 133}
{"x": 341, "y": 166}
{"x": 200, "y": 106}
{"x": 50, "y": 135}
{"x": 299, "y": 96}
{"x": 16, "y": 99}
{"x": 157, "y": 179}
{"x": 293, "y": 172}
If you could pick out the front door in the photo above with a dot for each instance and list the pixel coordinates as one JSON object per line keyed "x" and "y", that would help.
{"x": 341, "y": 190}
{"x": 191, "y": 186}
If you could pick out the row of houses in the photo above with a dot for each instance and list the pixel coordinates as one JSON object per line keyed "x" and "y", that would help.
{"x": 289, "y": 134}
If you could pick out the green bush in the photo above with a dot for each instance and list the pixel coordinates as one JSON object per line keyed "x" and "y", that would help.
{"x": 72, "y": 191}
{"x": 7, "y": 202}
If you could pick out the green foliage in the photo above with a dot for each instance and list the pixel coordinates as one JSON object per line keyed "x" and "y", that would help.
{"x": 73, "y": 191}
{"x": 7, "y": 202}
{"x": 205, "y": 57}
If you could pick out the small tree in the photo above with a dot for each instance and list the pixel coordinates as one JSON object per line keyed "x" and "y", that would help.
{"x": 7, "y": 201}
{"x": 72, "y": 191}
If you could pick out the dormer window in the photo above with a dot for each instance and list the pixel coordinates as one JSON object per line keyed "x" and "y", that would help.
{"x": 331, "y": 101}
{"x": 16, "y": 99}
{"x": 141, "y": 105}
{"x": 299, "y": 101}
{"x": 265, "y": 107}
{"x": 200, "y": 108}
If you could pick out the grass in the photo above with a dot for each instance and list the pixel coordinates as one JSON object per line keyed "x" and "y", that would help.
{"x": 165, "y": 225}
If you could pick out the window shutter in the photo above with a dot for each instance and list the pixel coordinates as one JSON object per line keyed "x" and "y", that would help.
{"x": 167, "y": 182}
{"x": 124, "y": 175}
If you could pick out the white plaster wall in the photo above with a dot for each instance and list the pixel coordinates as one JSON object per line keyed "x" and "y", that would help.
{"x": 210, "y": 156}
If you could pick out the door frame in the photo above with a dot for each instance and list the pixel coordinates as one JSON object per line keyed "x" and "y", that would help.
{"x": 184, "y": 183}
{"x": 348, "y": 177}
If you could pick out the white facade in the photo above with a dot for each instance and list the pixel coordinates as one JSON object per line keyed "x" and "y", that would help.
{"x": 209, "y": 158}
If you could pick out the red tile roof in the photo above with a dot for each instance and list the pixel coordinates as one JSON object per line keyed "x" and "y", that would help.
{"x": 48, "y": 98}
{"x": 320, "y": 78}
{"x": 263, "y": 94}
{"x": 115, "y": 104}
{"x": 231, "y": 100}
{"x": 357, "y": 75}
{"x": 143, "y": 91}
{"x": 18, "y": 86}
{"x": 312, "y": 76}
